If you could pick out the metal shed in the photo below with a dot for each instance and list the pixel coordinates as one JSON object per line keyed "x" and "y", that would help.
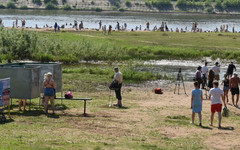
{"x": 33, "y": 73}
{"x": 24, "y": 80}
{"x": 54, "y": 68}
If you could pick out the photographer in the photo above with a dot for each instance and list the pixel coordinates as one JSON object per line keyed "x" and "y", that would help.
{"x": 118, "y": 78}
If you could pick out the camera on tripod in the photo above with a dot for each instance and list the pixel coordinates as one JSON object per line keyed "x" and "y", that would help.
{"x": 178, "y": 81}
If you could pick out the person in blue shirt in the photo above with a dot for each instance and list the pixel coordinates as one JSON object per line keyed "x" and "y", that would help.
{"x": 196, "y": 103}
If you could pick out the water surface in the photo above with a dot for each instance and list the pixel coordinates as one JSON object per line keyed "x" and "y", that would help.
{"x": 91, "y": 19}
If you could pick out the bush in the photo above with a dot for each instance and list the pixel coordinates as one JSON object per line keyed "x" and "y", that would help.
{"x": 92, "y": 3}
{"x": 44, "y": 58}
{"x": 98, "y": 9}
{"x": 148, "y": 4}
{"x": 184, "y": 5}
{"x": 233, "y": 5}
{"x": 47, "y": 1}
{"x": 18, "y": 44}
{"x": 54, "y": 2}
{"x": 218, "y": 5}
{"x": 11, "y": 5}
{"x": 50, "y": 6}
{"x": 160, "y": 4}
{"x": 121, "y": 9}
{"x": 210, "y": 10}
{"x": 67, "y": 7}
{"x": 24, "y": 7}
{"x": 38, "y": 2}
{"x": 128, "y": 3}
{"x": 2, "y": 6}
{"x": 117, "y": 4}
{"x": 64, "y": 2}
{"x": 207, "y": 3}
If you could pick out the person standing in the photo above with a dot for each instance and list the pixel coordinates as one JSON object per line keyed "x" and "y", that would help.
{"x": 81, "y": 26}
{"x": 100, "y": 24}
{"x": 216, "y": 94}
{"x": 225, "y": 83}
{"x": 198, "y": 76}
{"x": 118, "y": 78}
{"x": 210, "y": 79}
{"x": 75, "y": 24}
{"x": 204, "y": 75}
{"x": 234, "y": 87}
{"x": 49, "y": 92}
{"x": 148, "y": 24}
{"x": 16, "y": 23}
{"x": 23, "y": 23}
{"x": 55, "y": 27}
{"x": 216, "y": 70}
{"x": 118, "y": 26}
{"x": 230, "y": 69}
{"x": 196, "y": 103}
{"x": 24, "y": 104}
{"x": 109, "y": 30}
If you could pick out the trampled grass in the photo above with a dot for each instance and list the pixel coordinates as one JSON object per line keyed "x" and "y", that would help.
{"x": 147, "y": 121}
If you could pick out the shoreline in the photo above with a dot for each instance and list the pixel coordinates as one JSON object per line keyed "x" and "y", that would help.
{"x": 125, "y": 12}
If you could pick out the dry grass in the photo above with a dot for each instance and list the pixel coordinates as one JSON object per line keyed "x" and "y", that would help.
{"x": 148, "y": 121}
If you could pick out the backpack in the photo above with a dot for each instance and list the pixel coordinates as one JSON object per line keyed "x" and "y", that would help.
{"x": 158, "y": 91}
{"x": 68, "y": 95}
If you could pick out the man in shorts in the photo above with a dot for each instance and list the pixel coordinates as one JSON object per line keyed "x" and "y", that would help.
{"x": 216, "y": 104}
{"x": 234, "y": 87}
{"x": 230, "y": 69}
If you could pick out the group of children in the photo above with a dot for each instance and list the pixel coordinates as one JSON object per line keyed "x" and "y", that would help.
{"x": 217, "y": 98}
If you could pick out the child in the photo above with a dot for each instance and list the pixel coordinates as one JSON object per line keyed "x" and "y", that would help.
{"x": 196, "y": 103}
{"x": 215, "y": 94}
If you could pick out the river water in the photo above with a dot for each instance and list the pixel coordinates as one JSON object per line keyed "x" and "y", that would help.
{"x": 91, "y": 19}
{"x": 171, "y": 67}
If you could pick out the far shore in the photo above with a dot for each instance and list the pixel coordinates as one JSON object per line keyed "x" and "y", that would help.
{"x": 124, "y": 12}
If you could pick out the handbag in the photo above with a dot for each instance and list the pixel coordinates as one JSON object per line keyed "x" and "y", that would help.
{"x": 113, "y": 85}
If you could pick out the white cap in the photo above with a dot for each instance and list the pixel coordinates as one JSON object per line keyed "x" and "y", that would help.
{"x": 235, "y": 73}
{"x": 49, "y": 74}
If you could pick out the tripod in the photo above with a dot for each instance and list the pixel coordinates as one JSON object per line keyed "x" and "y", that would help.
{"x": 178, "y": 81}
{"x": 110, "y": 100}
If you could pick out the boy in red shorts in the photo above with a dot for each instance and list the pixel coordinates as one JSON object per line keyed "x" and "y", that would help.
{"x": 216, "y": 94}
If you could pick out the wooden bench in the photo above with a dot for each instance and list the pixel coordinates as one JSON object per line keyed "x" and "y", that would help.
{"x": 78, "y": 99}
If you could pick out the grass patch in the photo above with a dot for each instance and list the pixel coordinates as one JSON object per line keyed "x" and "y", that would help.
{"x": 70, "y": 47}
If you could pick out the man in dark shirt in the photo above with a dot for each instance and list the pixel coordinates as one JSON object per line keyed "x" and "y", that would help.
{"x": 230, "y": 69}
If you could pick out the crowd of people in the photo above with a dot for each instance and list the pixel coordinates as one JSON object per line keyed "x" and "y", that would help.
{"x": 163, "y": 27}
{"x": 209, "y": 79}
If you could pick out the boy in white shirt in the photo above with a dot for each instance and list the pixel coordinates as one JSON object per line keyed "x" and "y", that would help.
{"x": 216, "y": 105}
